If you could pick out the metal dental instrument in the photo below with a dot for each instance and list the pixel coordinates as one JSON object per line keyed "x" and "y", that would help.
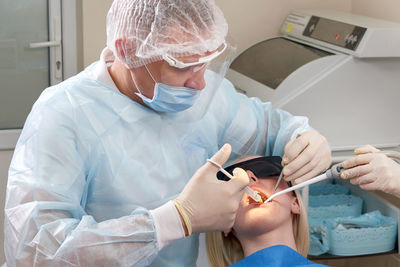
{"x": 279, "y": 181}
{"x": 250, "y": 192}
{"x": 333, "y": 172}
{"x": 281, "y": 175}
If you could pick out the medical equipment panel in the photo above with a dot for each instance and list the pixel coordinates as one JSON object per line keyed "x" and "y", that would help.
{"x": 347, "y": 33}
{"x": 334, "y": 32}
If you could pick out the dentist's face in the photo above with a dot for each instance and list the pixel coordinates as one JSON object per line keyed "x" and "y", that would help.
{"x": 162, "y": 72}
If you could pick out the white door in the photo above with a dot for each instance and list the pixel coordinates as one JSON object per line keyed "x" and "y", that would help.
{"x": 31, "y": 59}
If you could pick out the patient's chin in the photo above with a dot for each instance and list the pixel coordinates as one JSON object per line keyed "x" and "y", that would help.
{"x": 259, "y": 220}
{"x": 255, "y": 224}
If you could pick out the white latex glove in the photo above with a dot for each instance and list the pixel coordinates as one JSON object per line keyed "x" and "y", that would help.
{"x": 305, "y": 157}
{"x": 373, "y": 171}
{"x": 208, "y": 203}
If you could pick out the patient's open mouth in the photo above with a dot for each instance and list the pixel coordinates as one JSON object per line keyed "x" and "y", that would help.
{"x": 262, "y": 195}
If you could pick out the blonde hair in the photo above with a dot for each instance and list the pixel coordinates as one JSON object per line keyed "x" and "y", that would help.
{"x": 223, "y": 251}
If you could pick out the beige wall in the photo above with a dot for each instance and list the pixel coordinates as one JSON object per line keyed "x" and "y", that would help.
{"x": 382, "y": 9}
{"x": 249, "y": 21}
{"x": 94, "y": 28}
{"x": 255, "y": 20}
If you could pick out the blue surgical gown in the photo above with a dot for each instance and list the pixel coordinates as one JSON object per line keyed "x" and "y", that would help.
{"x": 91, "y": 162}
{"x": 276, "y": 256}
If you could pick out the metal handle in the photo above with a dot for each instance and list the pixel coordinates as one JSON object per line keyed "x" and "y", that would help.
{"x": 45, "y": 44}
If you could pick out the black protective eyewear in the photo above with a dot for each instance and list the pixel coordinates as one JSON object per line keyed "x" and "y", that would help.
{"x": 263, "y": 167}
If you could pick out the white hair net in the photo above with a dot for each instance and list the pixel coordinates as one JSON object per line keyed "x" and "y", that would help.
{"x": 148, "y": 29}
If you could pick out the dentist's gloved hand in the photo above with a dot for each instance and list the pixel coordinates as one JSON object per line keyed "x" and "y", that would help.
{"x": 208, "y": 204}
{"x": 373, "y": 171}
{"x": 305, "y": 157}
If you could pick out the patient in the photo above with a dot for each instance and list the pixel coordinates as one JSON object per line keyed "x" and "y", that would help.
{"x": 272, "y": 234}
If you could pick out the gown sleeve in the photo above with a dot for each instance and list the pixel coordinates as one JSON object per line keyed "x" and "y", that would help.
{"x": 45, "y": 220}
{"x": 253, "y": 127}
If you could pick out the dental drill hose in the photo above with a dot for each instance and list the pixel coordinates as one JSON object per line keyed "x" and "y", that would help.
{"x": 333, "y": 172}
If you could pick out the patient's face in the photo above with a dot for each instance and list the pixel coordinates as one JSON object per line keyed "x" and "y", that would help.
{"x": 254, "y": 218}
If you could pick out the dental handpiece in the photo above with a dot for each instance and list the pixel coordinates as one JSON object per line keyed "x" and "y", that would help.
{"x": 250, "y": 192}
{"x": 333, "y": 172}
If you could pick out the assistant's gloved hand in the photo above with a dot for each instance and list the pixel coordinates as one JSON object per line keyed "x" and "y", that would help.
{"x": 208, "y": 204}
{"x": 306, "y": 156}
{"x": 373, "y": 171}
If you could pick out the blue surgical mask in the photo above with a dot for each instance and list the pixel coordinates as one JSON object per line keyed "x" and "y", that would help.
{"x": 169, "y": 98}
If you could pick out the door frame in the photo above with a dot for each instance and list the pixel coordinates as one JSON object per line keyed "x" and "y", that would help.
{"x": 65, "y": 11}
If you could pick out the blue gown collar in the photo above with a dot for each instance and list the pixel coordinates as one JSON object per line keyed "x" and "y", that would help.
{"x": 279, "y": 255}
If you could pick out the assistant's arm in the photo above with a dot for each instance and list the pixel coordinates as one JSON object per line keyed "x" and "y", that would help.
{"x": 372, "y": 170}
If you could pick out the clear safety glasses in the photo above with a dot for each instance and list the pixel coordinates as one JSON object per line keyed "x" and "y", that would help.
{"x": 196, "y": 65}
{"x": 263, "y": 167}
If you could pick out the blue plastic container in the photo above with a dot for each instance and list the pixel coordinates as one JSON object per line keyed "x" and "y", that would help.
{"x": 366, "y": 234}
{"x": 328, "y": 189}
{"x": 332, "y": 206}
